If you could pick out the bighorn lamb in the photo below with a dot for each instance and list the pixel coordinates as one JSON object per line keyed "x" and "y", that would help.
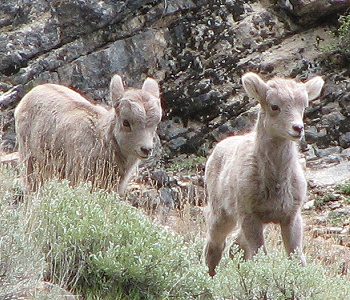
{"x": 256, "y": 178}
{"x": 63, "y": 135}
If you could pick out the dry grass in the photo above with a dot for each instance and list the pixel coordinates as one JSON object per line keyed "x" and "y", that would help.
{"x": 50, "y": 165}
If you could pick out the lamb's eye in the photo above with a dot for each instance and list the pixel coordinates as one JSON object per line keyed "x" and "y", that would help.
{"x": 275, "y": 107}
{"x": 126, "y": 123}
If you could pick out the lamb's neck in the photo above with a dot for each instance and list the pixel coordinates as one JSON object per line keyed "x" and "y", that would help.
{"x": 274, "y": 155}
{"x": 110, "y": 137}
{"x": 107, "y": 123}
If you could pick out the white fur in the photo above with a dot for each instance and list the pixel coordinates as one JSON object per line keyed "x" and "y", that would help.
{"x": 62, "y": 134}
{"x": 256, "y": 178}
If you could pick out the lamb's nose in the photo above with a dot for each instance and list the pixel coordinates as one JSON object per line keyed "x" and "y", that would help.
{"x": 146, "y": 150}
{"x": 298, "y": 128}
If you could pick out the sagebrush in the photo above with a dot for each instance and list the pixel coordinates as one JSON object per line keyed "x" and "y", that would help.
{"x": 99, "y": 247}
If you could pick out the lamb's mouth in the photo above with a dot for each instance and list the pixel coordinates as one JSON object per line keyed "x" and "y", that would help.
{"x": 142, "y": 155}
{"x": 296, "y": 136}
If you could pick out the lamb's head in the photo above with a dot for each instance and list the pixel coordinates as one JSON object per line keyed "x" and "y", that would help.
{"x": 283, "y": 102}
{"x": 138, "y": 115}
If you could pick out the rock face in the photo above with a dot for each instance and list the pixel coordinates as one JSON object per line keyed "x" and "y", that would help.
{"x": 197, "y": 49}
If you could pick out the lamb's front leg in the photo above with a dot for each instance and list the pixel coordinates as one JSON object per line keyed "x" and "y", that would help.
{"x": 125, "y": 176}
{"x": 292, "y": 235}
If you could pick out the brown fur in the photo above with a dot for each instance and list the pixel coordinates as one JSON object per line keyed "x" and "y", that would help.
{"x": 256, "y": 178}
{"x": 63, "y": 135}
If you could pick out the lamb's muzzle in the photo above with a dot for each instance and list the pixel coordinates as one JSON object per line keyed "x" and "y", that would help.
{"x": 147, "y": 151}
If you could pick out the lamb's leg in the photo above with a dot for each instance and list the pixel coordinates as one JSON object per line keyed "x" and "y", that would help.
{"x": 29, "y": 180}
{"x": 292, "y": 235}
{"x": 219, "y": 226}
{"x": 121, "y": 186}
{"x": 251, "y": 236}
{"x": 125, "y": 177}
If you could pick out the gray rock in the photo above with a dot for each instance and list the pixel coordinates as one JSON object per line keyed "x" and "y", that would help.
{"x": 196, "y": 49}
{"x": 339, "y": 212}
{"x": 327, "y": 152}
{"x": 344, "y": 140}
{"x": 167, "y": 196}
{"x": 177, "y": 144}
{"x": 9, "y": 99}
{"x": 346, "y": 154}
{"x": 334, "y": 174}
{"x": 309, "y": 11}
{"x": 160, "y": 178}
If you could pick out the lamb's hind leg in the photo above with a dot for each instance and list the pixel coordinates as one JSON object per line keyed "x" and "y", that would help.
{"x": 30, "y": 181}
{"x": 292, "y": 235}
{"x": 250, "y": 238}
{"x": 219, "y": 226}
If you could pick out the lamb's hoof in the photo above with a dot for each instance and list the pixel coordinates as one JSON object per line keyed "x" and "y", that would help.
{"x": 212, "y": 273}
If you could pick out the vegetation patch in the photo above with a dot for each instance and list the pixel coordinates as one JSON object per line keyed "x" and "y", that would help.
{"x": 321, "y": 201}
{"x": 345, "y": 188}
{"x": 275, "y": 277}
{"x": 99, "y": 247}
{"x": 187, "y": 164}
{"x": 343, "y": 34}
{"x": 21, "y": 262}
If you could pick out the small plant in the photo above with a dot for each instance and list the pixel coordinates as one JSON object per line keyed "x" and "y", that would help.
{"x": 345, "y": 188}
{"x": 338, "y": 220}
{"x": 193, "y": 163}
{"x": 336, "y": 47}
{"x": 344, "y": 34}
{"x": 320, "y": 201}
{"x": 341, "y": 36}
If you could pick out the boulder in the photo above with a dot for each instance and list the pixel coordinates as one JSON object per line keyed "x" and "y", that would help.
{"x": 309, "y": 11}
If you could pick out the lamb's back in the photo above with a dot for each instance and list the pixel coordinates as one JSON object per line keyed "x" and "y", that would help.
{"x": 58, "y": 98}
{"x": 53, "y": 114}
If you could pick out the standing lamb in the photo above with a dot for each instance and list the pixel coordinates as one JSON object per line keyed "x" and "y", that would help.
{"x": 63, "y": 135}
{"x": 256, "y": 178}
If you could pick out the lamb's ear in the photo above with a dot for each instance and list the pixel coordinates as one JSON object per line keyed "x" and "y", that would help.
{"x": 116, "y": 88}
{"x": 151, "y": 86}
{"x": 254, "y": 86}
{"x": 314, "y": 87}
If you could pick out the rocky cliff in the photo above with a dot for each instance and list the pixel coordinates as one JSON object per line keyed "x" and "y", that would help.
{"x": 197, "y": 49}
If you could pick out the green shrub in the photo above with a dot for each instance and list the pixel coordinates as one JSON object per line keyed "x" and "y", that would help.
{"x": 103, "y": 247}
{"x": 343, "y": 34}
{"x": 275, "y": 277}
{"x": 337, "y": 43}
{"x": 345, "y": 188}
{"x": 188, "y": 164}
{"x": 21, "y": 262}
{"x": 320, "y": 201}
